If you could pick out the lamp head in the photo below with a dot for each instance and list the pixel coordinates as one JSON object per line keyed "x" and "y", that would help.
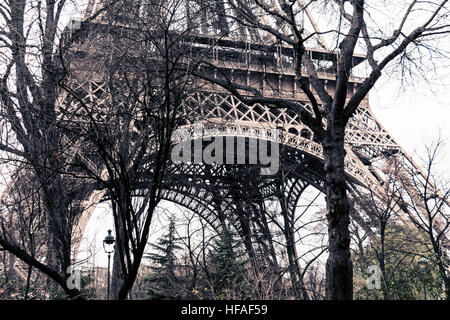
{"x": 109, "y": 239}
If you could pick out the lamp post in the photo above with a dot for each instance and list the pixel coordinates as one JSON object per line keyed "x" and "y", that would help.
{"x": 108, "y": 246}
{"x": 422, "y": 266}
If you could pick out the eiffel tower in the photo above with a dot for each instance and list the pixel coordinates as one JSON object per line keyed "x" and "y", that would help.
{"x": 369, "y": 146}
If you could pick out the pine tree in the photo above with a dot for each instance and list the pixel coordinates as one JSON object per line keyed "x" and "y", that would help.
{"x": 163, "y": 279}
{"x": 227, "y": 268}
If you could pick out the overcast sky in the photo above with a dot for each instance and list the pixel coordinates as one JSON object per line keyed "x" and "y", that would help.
{"x": 415, "y": 116}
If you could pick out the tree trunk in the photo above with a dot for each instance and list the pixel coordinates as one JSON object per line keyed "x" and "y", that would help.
{"x": 117, "y": 275}
{"x": 27, "y": 286}
{"x": 445, "y": 278}
{"x": 382, "y": 259}
{"x": 117, "y": 272}
{"x": 339, "y": 268}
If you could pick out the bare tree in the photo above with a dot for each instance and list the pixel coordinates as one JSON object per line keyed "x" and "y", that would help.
{"x": 430, "y": 212}
{"x": 128, "y": 127}
{"x": 29, "y": 35}
{"x": 351, "y": 29}
{"x": 380, "y": 208}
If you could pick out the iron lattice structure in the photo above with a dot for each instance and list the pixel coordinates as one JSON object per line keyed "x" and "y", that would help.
{"x": 209, "y": 189}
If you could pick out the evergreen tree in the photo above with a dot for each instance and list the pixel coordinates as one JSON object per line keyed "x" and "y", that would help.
{"x": 163, "y": 279}
{"x": 227, "y": 270}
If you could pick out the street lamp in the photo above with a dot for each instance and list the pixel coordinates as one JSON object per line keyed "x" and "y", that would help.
{"x": 423, "y": 263}
{"x": 108, "y": 246}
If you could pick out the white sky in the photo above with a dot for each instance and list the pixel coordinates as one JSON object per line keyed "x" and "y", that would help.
{"x": 415, "y": 117}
